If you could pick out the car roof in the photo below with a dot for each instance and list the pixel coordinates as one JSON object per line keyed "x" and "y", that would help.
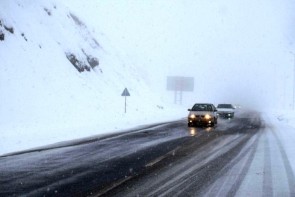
{"x": 203, "y": 104}
{"x": 225, "y": 104}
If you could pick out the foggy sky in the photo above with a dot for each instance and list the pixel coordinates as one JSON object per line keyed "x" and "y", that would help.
{"x": 237, "y": 51}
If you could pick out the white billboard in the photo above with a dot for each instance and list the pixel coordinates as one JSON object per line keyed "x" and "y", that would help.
{"x": 178, "y": 83}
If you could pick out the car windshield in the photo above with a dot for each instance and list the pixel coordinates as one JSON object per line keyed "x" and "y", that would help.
{"x": 202, "y": 107}
{"x": 225, "y": 106}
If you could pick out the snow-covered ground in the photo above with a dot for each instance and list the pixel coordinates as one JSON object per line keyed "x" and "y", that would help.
{"x": 284, "y": 126}
{"x": 45, "y": 99}
{"x": 286, "y": 117}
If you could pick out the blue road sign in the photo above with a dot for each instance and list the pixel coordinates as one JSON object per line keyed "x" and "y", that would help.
{"x": 125, "y": 92}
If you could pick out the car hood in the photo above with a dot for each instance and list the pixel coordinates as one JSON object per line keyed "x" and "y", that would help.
{"x": 201, "y": 112}
{"x": 225, "y": 110}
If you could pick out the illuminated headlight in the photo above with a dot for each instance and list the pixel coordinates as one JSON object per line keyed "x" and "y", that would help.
{"x": 207, "y": 116}
{"x": 192, "y": 116}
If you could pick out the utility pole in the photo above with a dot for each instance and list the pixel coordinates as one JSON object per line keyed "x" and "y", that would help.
{"x": 293, "y": 83}
{"x": 293, "y": 88}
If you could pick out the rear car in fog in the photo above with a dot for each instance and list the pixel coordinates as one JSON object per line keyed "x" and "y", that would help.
{"x": 202, "y": 114}
{"x": 226, "y": 110}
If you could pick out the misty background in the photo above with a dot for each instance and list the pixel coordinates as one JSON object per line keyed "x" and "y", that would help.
{"x": 239, "y": 52}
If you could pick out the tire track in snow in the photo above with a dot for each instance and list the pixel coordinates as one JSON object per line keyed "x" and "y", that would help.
{"x": 229, "y": 184}
{"x": 235, "y": 187}
{"x": 267, "y": 175}
{"x": 192, "y": 187}
{"x": 288, "y": 168}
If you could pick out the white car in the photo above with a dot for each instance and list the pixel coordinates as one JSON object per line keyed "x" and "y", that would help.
{"x": 226, "y": 110}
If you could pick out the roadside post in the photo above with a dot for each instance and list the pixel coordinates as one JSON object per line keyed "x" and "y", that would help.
{"x": 125, "y": 94}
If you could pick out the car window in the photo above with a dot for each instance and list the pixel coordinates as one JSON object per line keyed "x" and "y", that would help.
{"x": 224, "y": 106}
{"x": 202, "y": 107}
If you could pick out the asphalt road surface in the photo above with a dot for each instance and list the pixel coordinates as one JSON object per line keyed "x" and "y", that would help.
{"x": 238, "y": 157}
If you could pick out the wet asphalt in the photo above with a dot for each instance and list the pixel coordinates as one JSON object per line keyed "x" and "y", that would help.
{"x": 166, "y": 159}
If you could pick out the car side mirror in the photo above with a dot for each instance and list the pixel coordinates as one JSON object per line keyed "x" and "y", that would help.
{"x": 189, "y": 110}
{"x": 215, "y": 110}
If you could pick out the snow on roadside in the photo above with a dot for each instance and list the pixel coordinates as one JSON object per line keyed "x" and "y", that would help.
{"x": 287, "y": 117}
{"x": 283, "y": 126}
{"x": 37, "y": 136}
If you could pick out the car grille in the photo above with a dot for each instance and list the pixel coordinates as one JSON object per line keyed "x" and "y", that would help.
{"x": 200, "y": 116}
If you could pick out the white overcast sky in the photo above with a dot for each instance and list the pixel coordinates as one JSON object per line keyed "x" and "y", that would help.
{"x": 238, "y": 51}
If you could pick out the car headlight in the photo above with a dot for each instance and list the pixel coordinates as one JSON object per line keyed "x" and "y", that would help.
{"x": 192, "y": 116}
{"x": 207, "y": 116}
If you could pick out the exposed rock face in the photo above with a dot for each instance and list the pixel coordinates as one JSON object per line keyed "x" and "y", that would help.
{"x": 78, "y": 64}
{"x": 2, "y": 36}
{"x": 10, "y": 29}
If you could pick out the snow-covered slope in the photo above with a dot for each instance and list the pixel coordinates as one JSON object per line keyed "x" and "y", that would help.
{"x": 61, "y": 80}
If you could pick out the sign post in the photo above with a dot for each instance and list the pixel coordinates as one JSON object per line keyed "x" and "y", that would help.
{"x": 178, "y": 84}
{"x": 125, "y": 93}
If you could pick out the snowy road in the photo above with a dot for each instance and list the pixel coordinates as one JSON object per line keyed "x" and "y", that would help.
{"x": 245, "y": 156}
{"x": 250, "y": 161}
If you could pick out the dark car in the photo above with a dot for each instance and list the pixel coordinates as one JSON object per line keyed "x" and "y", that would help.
{"x": 226, "y": 110}
{"x": 202, "y": 114}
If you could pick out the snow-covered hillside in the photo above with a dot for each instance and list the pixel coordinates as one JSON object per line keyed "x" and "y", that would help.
{"x": 61, "y": 80}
